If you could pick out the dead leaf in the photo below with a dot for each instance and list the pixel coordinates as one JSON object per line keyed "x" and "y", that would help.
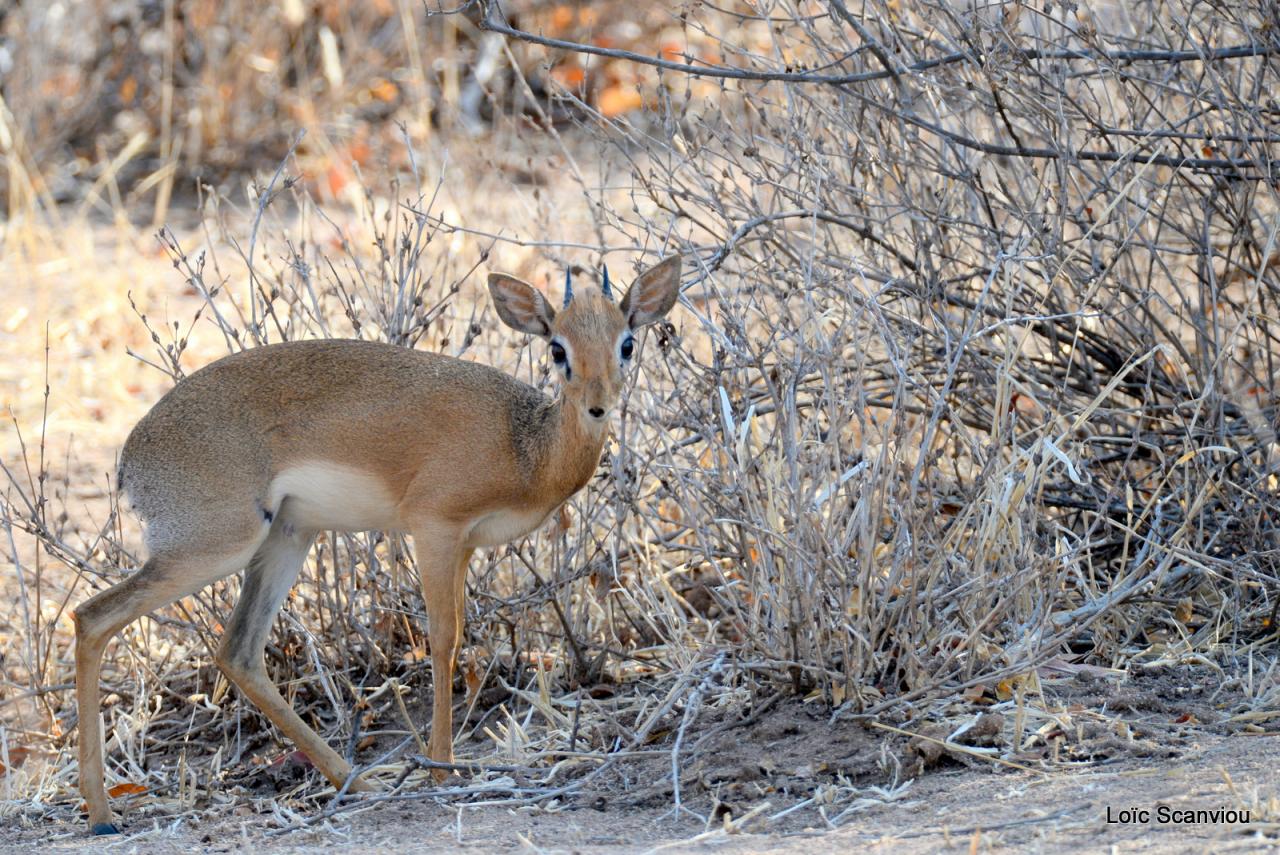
{"x": 471, "y": 675}
{"x": 569, "y": 76}
{"x": 336, "y": 177}
{"x": 616, "y": 100}
{"x": 562, "y": 18}
{"x": 359, "y": 152}
{"x": 384, "y": 90}
{"x": 127, "y": 789}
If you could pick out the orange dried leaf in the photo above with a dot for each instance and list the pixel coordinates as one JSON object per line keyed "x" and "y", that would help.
{"x": 562, "y": 18}
{"x": 540, "y": 659}
{"x": 569, "y": 76}
{"x": 359, "y": 152}
{"x": 128, "y": 89}
{"x": 472, "y": 678}
{"x": 384, "y": 90}
{"x": 127, "y": 789}
{"x": 336, "y": 178}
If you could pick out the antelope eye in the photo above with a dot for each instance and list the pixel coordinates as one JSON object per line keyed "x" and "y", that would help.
{"x": 558, "y": 355}
{"x": 628, "y": 347}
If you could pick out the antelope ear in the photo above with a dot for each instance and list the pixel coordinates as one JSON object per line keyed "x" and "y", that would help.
{"x": 520, "y": 305}
{"x": 653, "y": 293}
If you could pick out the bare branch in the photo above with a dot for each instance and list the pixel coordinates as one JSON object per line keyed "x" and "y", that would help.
{"x": 494, "y": 21}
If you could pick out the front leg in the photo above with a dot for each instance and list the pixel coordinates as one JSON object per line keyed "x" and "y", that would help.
{"x": 442, "y": 565}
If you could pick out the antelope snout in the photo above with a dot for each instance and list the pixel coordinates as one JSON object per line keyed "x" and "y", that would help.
{"x": 597, "y": 413}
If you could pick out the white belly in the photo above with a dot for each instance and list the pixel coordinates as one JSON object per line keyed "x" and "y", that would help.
{"x": 326, "y": 496}
{"x": 504, "y": 526}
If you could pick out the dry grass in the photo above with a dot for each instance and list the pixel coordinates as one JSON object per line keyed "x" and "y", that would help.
{"x": 930, "y": 416}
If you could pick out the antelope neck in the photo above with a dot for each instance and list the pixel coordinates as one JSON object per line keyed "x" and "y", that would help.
{"x": 573, "y": 451}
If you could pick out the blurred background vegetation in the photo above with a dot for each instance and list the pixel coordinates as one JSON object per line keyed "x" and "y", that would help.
{"x": 143, "y": 99}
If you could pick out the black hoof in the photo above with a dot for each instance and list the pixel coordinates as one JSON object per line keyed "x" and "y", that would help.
{"x": 105, "y": 828}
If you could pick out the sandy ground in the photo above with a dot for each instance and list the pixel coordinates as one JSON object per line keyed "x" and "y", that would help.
{"x": 960, "y": 810}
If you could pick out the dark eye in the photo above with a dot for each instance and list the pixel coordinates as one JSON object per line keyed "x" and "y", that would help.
{"x": 557, "y": 353}
{"x": 628, "y": 347}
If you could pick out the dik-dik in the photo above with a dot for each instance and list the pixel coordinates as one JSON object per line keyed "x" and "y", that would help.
{"x": 242, "y": 463}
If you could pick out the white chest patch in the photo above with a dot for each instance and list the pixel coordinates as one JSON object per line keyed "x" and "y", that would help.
{"x": 504, "y": 526}
{"x": 327, "y": 496}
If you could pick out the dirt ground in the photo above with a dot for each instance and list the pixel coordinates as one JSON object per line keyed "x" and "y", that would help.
{"x": 956, "y": 810}
{"x": 1169, "y": 743}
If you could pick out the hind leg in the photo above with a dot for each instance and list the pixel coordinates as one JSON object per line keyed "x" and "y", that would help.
{"x": 166, "y": 577}
{"x": 267, "y": 581}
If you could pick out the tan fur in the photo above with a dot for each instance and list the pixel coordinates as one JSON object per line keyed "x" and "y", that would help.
{"x": 242, "y": 463}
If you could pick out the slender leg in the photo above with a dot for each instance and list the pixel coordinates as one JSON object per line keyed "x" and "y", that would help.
{"x": 267, "y": 581}
{"x": 439, "y": 559}
{"x": 162, "y": 580}
{"x": 460, "y": 593}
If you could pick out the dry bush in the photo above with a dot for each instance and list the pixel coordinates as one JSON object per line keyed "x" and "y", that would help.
{"x": 974, "y": 370}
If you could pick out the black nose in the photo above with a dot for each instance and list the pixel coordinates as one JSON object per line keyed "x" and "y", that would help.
{"x": 596, "y": 412}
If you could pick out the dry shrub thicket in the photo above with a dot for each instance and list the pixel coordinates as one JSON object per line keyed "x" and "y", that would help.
{"x": 974, "y": 371}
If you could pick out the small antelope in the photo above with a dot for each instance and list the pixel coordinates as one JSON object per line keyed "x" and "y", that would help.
{"x": 242, "y": 463}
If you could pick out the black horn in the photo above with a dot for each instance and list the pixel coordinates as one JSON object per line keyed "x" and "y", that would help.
{"x": 568, "y": 288}
{"x": 604, "y": 286}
